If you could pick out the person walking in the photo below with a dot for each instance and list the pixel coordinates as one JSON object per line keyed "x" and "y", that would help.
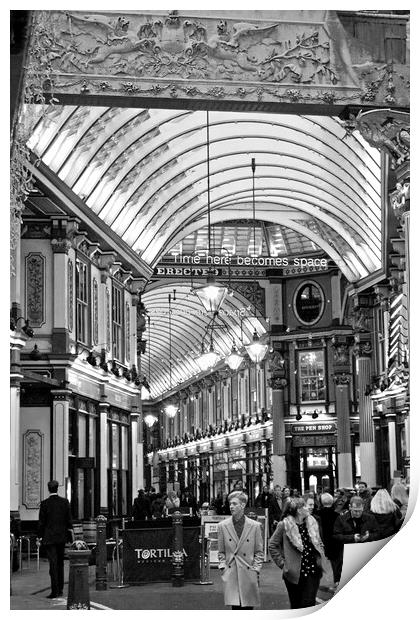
{"x": 53, "y": 530}
{"x": 355, "y": 525}
{"x": 334, "y": 549}
{"x": 297, "y": 548}
{"x": 141, "y": 507}
{"x": 263, "y": 499}
{"x": 387, "y": 514}
{"x": 275, "y": 508}
{"x": 241, "y": 554}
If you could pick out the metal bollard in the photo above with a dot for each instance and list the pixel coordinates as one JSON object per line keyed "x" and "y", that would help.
{"x": 78, "y": 594}
{"x": 177, "y": 551}
{"x": 101, "y": 554}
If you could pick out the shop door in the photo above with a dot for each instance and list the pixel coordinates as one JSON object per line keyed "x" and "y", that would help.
{"x": 317, "y": 469}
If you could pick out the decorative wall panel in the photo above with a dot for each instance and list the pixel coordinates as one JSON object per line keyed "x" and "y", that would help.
{"x": 35, "y": 289}
{"x": 32, "y": 468}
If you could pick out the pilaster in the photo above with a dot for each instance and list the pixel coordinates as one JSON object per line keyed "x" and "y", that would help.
{"x": 60, "y": 437}
{"x": 362, "y": 351}
{"x": 342, "y": 378}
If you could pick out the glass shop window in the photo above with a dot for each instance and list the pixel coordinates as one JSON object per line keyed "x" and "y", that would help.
{"x": 82, "y": 318}
{"x": 309, "y": 303}
{"x": 311, "y": 376}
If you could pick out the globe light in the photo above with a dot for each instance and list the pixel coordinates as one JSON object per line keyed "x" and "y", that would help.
{"x": 212, "y": 294}
{"x": 171, "y": 410}
{"x": 150, "y": 420}
{"x": 256, "y": 350}
{"x": 234, "y": 359}
{"x": 207, "y": 359}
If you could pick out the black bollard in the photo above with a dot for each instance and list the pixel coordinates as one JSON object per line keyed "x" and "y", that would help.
{"x": 101, "y": 554}
{"x": 78, "y": 595}
{"x": 177, "y": 551}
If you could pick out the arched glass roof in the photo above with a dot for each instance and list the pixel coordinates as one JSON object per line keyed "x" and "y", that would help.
{"x": 144, "y": 173}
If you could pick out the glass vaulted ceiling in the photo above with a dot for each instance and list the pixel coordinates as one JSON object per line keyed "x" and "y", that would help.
{"x": 144, "y": 172}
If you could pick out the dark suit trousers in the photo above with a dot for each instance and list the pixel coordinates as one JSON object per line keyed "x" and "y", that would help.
{"x": 55, "y": 554}
{"x": 303, "y": 593}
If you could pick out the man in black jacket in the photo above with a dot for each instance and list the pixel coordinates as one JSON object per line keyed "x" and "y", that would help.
{"x": 355, "y": 526}
{"x": 54, "y": 524}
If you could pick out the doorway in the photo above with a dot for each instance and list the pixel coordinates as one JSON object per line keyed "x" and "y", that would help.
{"x": 317, "y": 469}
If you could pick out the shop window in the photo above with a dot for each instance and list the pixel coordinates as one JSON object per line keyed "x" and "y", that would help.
{"x": 308, "y": 303}
{"x": 117, "y": 324}
{"x": 311, "y": 366}
{"x": 82, "y": 317}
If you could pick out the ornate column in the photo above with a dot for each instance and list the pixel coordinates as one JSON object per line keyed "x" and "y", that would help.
{"x": 363, "y": 351}
{"x": 16, "y": 344}
{"x": 278, "y": 384}
{"x": 62, "y": 234}
{"x": 60, "y": 436}
{"x": 102, "y": 460}
{"x": 341, "y": 378}
{"x": 137, "y": 465}
{"x": 392, "y": 444}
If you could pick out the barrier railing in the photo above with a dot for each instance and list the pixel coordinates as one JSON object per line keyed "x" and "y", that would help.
{"x": 120, "y": 572}
{"x": 20, "y": 542}
{"x": 204, "y": 560}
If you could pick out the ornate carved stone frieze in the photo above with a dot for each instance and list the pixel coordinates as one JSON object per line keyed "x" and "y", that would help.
{"x": 61, "y": 246}
{"x": 70, "y": 290}
{"x": 276, "y": 362}
{"x": 388, "y": 130}
{"x": 289, "y": 59}
{"x": 254, "y": 293}
{"x": 32, "y": 469}
{"x": 95, "y": 311}
{"x": 35, "y": 289}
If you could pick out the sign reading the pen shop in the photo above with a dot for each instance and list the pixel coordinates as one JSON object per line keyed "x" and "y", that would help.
{"x": 320, "y": 427}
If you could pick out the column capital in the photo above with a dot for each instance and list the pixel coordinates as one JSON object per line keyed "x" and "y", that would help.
{"x": 277, "y": 383}
{"x": 62, "y": 394}
{"x": 61, "y": 246}
{"x": 387, "y": 130}
{"x": 341, "y": 378}
{"x": 362, "y": 347}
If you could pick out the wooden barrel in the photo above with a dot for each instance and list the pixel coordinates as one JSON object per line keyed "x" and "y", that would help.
{"x": 89, "y": 532}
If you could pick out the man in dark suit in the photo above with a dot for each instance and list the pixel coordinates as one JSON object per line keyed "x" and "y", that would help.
{"x": 54, "y": 524}
{"x": 355, "y": 526}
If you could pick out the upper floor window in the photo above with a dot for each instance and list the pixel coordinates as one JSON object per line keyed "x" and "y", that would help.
{"x": 82, "y": 319}
{"x": 311, "y": 376}
{"x": 117, "y": 323}
{"x": 309, "y": 303}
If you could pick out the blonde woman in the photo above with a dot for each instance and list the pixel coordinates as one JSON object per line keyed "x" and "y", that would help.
{"x": 400, "y": 496}
{"x": 387, "y": 514}
{"x": 172, "y": 502}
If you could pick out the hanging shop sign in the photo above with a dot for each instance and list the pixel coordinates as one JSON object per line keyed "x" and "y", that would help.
{"x": 147, "y": 554}
{"x": 320, "y": 427}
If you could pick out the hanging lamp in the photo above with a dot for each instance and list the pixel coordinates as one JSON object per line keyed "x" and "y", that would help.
{"x": 170, "y": 408}
{"x": 212, "y": 293}
{"x": 234, "y": 359}
{"x": 207, "y": 358}
{"x": 256, "y": 349}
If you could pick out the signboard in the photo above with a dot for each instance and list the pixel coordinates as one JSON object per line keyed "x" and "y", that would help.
{"x": 147, "y": 554}
{"x": 210, "y": 523}
{"x": 320, "y": 427}
{"x": 314, "y": 441}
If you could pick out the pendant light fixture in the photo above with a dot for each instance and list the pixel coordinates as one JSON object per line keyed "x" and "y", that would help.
{"x": 234, "y": 359}
{"x": 212, "y": 293}
{"x": 256, "y": 349}
{"x": 170, "y": 408}
{"x": 208, "y": 358}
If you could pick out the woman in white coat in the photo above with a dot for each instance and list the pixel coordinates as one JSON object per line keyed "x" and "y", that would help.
{"x": 241, "y": 554}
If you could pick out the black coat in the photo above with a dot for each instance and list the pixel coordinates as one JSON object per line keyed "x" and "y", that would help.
{"x": 389, "y": 523}
{"x": 263, "y": 500}
{"x": 344, "y": 527}
{"x": 54, "y": 520}
{"x": 142, "y": 509}
{"x": 327, "y": 517}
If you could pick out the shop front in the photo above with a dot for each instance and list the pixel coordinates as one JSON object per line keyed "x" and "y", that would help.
{"x": 313, "y": 457}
